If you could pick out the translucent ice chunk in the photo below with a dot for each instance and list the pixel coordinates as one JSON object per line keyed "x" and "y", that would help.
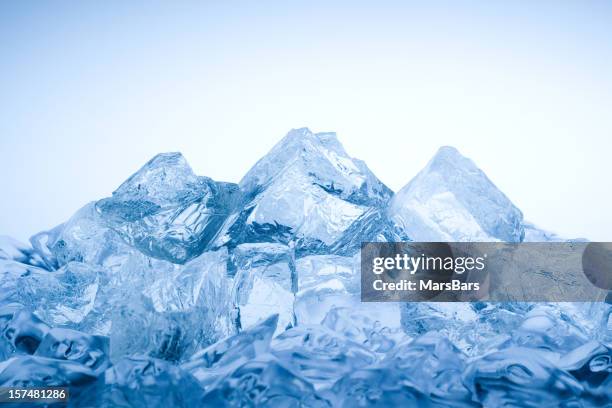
{"x": 63, "y": 297}
{"x": 177, "y": 310}
{"x": 591, "y": 364}
{"x": 376, "y": 326}
{"x": 11, "y": 249}
{"x": 329, "y": 293}
{"x": 453, "y": 200}
{"x": 520, "y": 376}
{"x": 439, "y": 368}
{"x": 222, "y": 357}
{"x": 542, "y": 329}
{"x": 147, "y": 382}
{"x": 306, "y": 186}
{"x": 11, "y": 273}
{"x": 377, "y": 387}
{"x": 168, "y": 212}
{"x": 325, "y": 282}
{"x": 318, "y": 354}
{"x": 264, "y": 284}
{"x": 34, "y": 371}
{"x": 21, "y": 331}
{"x": 145, "y": 305}
{"x": 264, "y": 382}
{"x": 491, "y": 329}
{"x": 372, "y": 226}
{"x": 72, "y": 345}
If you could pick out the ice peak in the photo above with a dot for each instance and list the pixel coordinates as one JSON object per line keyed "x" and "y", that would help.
{"x": 319, "y": 157}
{"x": 448, "y": 152}
{"x": 449, "y": 157}
{"x": 452, "y": 199}
{"x": 303, "y": 185}
{"x": 306, "y": 133}
{"x": 164, "y": 174}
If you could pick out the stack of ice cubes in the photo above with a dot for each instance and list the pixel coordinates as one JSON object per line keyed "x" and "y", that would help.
{"x": 179, "y": 290}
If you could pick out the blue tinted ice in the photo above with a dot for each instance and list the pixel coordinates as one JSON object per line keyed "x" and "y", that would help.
{"x": 182, "y": 291}
{"x": 21, "y": 331}
{"x": 222, "y": 357}
{"x": 453, "y": 200}
{"x": 166, "y": 211}
{"x": 34, "y": 371}
{"x": 264, "y": 284}
{"x": 71, "y": 345}
{"x": 306, "y": 187}
{"x": 148, "y": 382}
{"x": 264, "y": 382}
{"x": 319, "y": 354}
{"x": 520, "y": 377}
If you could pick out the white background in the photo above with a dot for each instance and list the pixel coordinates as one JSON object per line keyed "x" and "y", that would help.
{"x": 89, "y": 92}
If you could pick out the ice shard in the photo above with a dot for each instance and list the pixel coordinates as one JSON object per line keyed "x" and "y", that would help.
{"x": 453, "y": 200}
{"x": 166, "y": 211}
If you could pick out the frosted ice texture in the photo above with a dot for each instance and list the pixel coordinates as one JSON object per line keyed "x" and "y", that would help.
{"x": 182, "y": 291}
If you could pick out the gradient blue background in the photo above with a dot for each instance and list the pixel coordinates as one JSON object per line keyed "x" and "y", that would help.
{"x": 91, "y": 90}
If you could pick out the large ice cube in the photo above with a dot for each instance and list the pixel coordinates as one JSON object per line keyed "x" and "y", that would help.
{"x": 83, "y": 238}
{"x": 329, "y": 294}
{"x": 306, "y": 186}
{"x": 325, "y": 282}
{"x": 166, "y": 211}
{"x": 66, "y": 296}
{"x": 264, "y": 284}
{"x": 453, "y": 200}
{"x": 145, "y": 305}
{"x": 178, "y": 310}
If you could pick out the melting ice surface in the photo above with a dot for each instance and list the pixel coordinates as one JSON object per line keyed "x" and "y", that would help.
{"x": 184, "y": 291}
